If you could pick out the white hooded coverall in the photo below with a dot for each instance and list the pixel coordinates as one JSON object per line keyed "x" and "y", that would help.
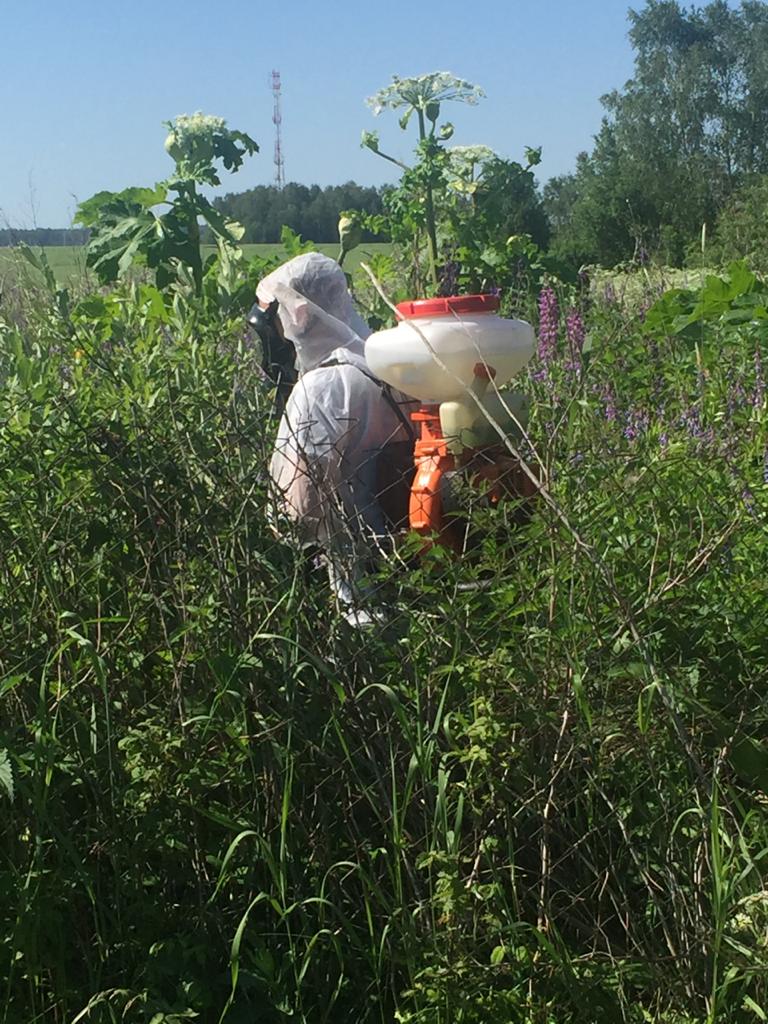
{"x": 337, "y": 421}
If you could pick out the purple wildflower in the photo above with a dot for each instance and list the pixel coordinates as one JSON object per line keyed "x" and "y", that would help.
{"x": 691, "y": 420}
{"x": 249, "y": 341}
{"x": 729, "y": 446}
{"x": 609, "y": 294}
{"x": 575, "y": 333}
{"x": 637, "y": 424}
{"x": 701, "y": 381}
{"x": 758, "y": 396}
{"x": 609, "y": 403}
{"x": 549, "y": 320}
{"x": 735, "y": 399}
{"x": 707, "y": 439}
{"x": 749, "y": 500}
{"x": 765, "y": 466}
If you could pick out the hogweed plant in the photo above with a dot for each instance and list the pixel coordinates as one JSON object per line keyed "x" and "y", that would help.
{"x": 478, "y": 212}
{"x": 423, "y": 97}
{"x": 127, "y": 229}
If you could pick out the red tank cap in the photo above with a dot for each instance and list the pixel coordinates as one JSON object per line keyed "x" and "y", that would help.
{"x": 448, "y": 305}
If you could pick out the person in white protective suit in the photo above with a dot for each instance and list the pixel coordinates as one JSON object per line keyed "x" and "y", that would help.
{"x": 344, "y": 437}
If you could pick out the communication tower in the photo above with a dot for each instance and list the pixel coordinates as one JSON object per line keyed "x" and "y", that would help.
{"x": 277, "y": 120}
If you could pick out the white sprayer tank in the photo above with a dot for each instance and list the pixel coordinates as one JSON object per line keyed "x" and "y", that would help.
{"x": 460, "y": 331}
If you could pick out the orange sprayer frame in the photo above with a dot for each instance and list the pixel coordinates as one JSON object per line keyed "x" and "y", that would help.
{"x": 498, "y": 473}
{"x": 432, "y": 458}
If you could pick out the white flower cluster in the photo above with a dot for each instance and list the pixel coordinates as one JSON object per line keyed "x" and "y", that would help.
{"x": 466, "y": 165}
{"x": 752, "y": 917}
{"x": 469, "y": 156}
{"x": 418, "y": 92}
{"x": 197, "y": 124}
{"x": 190, "y": 139}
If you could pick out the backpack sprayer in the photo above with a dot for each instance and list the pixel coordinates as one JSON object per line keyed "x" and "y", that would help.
{"x": 446, "y": 352}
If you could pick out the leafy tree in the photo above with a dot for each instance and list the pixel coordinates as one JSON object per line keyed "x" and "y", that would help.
{"x": 677, "y": 140}
{"x": 742, "y": 227}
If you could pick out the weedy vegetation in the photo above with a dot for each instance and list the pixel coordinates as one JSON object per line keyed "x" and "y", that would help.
{"x": 540, "y": 799}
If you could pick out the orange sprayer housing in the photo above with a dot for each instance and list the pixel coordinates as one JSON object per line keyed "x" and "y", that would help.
{"x": 491, "y": 470}
{"x": 433, "y": 460}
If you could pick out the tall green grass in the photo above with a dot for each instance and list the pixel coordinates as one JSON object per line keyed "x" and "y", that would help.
{"x": 538, "y": 799}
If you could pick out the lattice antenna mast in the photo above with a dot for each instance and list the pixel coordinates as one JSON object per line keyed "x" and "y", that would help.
{"x": 277, "y": 120}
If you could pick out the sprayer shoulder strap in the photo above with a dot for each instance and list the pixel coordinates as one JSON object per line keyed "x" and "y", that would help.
{"x": 386, "y": 392}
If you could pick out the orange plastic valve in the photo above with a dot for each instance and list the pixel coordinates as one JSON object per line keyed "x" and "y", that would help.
{"x": 432, "y": 460}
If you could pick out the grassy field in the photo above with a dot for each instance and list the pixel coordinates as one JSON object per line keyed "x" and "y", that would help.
{"x": 629, "y": 289}
{"x": 540, "y": 799}
{"x": 68, "y": 261}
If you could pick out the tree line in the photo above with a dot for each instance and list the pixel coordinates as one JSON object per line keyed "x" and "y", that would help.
{"x": 43, "y": 236}
{"x": 684, "y": 144}
{"x": 309, "y": 210}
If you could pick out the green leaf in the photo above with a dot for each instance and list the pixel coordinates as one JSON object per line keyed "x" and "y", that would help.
{"x": 750, "y": 1004}
{"x": 750, "y": 759}
{"x": 742, "y": 280}
{"x": 217, "y": 222}
{"x": 644, "y": 706}
{"x": 6, "y": 775}
{"x": 93, "y": 210}
{"x": 403, "y": 121}
{"x": 39, "y": 261}
{"x": 10, "y": 683}
{"x": 370, "y": 140}
{"x": 293, "y": 243}
{"x": 661, "y": 316}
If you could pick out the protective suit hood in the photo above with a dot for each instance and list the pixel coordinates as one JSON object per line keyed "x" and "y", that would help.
{"x": 316, "y": 309}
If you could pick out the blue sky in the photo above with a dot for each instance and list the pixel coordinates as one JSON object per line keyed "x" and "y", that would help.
{"x": 85, "y": 85}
